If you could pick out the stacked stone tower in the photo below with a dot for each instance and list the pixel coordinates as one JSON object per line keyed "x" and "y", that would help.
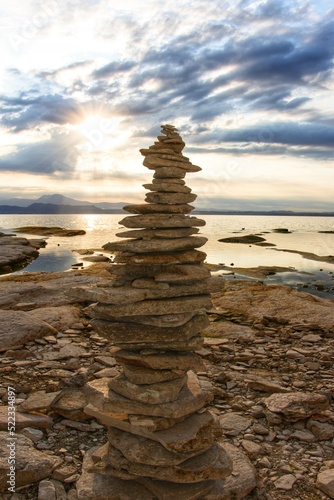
{"x": 160, "y": 433}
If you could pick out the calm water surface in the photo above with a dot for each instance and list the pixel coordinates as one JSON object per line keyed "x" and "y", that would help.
{"x": 100, "y": 229}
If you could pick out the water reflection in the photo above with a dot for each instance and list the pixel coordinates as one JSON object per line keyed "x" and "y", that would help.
{"x": 52, "y": 259}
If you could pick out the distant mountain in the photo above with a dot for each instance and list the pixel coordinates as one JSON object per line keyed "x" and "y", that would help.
{"x": 59, "y": 199}
{"x": 55, "y": 199}
{"x": 49, "y": 208}
{"x": 60, "y": 204}
{"x": 57, "y": 204}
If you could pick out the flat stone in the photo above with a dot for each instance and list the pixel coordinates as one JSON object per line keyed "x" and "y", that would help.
{"x": 71, "y": 404}
{"x": 164, "y": 361}
{"x": 106, "y": 360}
{"x": 325, "y": 482}
{"x": 173, "y": 180}
{"x": 167, "y": 320}
{"x": 183, "y": 274}
{"x": 322, "y": 430}
{"x": 191, "y": 399}
{"x": 149, "y": 246}
{"x": 60, "y": 317}
{"x": 24, "y": 420}
{"x": 149, "y": 283}
{"x": 137, "y": 424}
{"x": 241, "y": 482}
{"x": 19, "y": 327}
{"x": 297, "y": 405}
{"x": 158, "y": 233}
{"x": 168, "y": 187}
{"x": 232, "y": 423}
{"x": 212, "y": 464}
{"x": 117, "y": 331}
{"x": 68, "y": 351}
{"x": 166, "y": 490}
{"x": 33, "y": 434}
{"x": 167, "y": 172}
{"x": 39, "y": 400}
{"x": 131, "y": 294}
{"x": 193, "y": 344}
{"x": 166, "y": 154}
{"x": 285, "y": 482}
{"x": 146, "y": 451}
{"x": 159, "y": 392}
{"x": 148, "y": 208}
{"x": 46, "y": 490}
{"x": 254, "y": 450}
{"x": 152, "y": 307}
{"x": 105, "y": 487}
{"x": 186, "y": 434}
{"x": 156, "y": 162}
{"x": 31, "y": 465}
{"x": 161, "y": 221}
{"x": 148, "y": 259}
{"x": 304, "y": 435}
{"x": 173, "y": 198}
{"x": 285, "y": 304}
{"x": 140, "y": 375}
{"x": 266, "y": 386}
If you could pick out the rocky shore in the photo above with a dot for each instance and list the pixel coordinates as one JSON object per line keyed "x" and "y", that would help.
{"x": 16, "y": 253}
{"x": 268, "y": 356}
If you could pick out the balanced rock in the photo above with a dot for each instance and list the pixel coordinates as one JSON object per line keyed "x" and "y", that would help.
{"x": 160, "y": 434}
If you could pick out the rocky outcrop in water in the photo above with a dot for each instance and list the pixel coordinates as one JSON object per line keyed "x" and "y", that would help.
{"x": 16, "y": 253}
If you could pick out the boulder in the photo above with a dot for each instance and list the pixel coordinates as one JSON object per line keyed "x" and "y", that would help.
{"x": 31, "y": 465}
{"x": 19, "y": 327}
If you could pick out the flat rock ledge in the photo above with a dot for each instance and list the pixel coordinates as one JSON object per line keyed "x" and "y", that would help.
{"x": 16, "y": 253}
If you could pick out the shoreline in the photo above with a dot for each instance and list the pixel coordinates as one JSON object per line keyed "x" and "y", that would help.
{"x": 262, "y": 340}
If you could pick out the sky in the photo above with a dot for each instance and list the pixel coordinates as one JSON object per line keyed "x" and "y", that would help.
{"x": 84, "y": 84}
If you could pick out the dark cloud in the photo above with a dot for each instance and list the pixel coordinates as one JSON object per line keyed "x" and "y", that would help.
{"x": 32, "y": 112}
{"x": 311, "y": 140}
{"x": 113, "y": 68}
{"x": 58, "y": 155}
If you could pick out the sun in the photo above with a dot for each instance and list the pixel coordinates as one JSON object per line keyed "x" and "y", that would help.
{"x": 99, "y": 132}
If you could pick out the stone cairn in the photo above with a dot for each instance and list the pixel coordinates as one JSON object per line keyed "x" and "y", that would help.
{"x": 161, "y": 437}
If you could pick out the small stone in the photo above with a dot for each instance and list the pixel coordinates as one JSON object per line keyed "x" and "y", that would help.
{"x": 33, "y": 434}
{"x": 304, "y": 435}
{"x": 71, "y": 404}
{"x": 233, "y": 424}
{"x": 322, "y": 430}
{"x": 46, "y": 490}
{"x": 252, "y": 449}
{"x": 285, "y": 482}
{"x": 325, "y": 482}
{"x": 39, "y": 400}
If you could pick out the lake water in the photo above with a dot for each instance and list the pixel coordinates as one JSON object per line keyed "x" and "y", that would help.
{"x": 304, "y": 236}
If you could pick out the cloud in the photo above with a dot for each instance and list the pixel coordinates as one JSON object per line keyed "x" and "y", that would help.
{"x": 113, "y": 68}
{"x": 58, "y": 155}
{"x": 30, "y": 112}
